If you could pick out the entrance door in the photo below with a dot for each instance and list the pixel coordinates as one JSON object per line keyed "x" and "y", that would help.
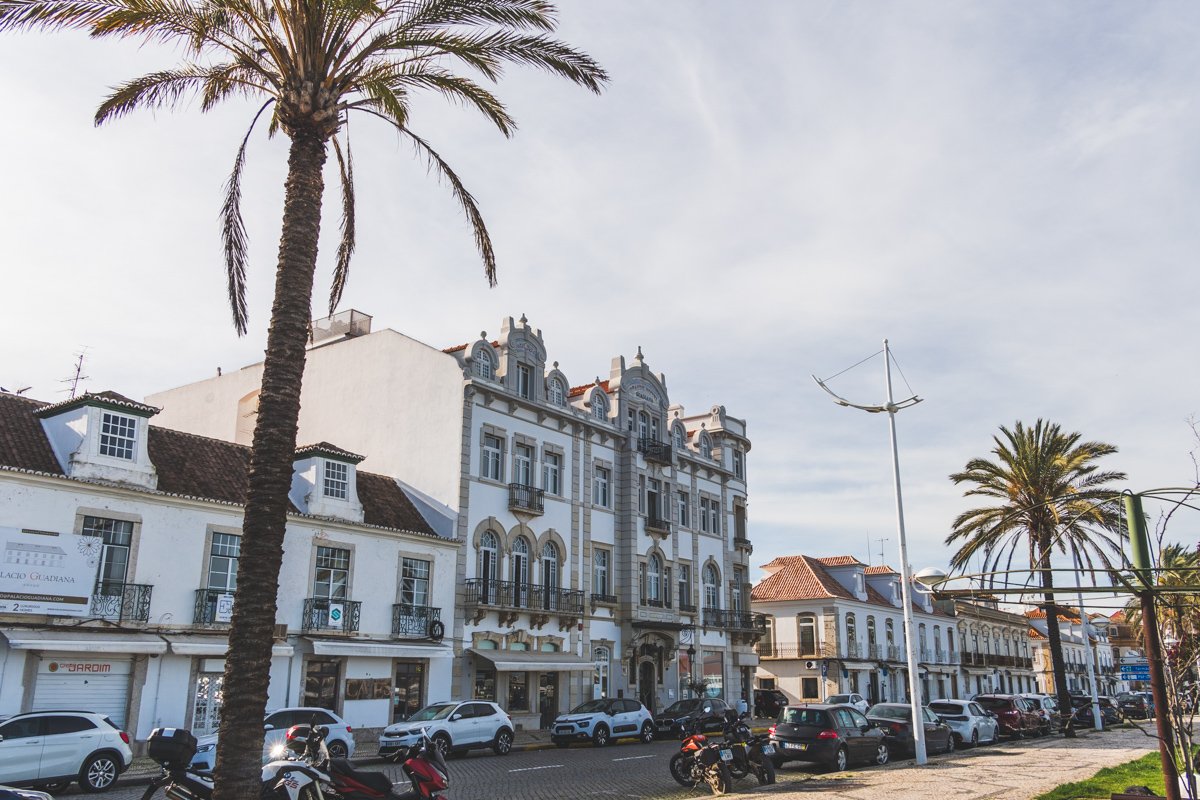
{"x": 548, "y": 698}
{"x": 647, "y": 681}
{"x": 408, "y": 690}
{"x": 81, "y": 680}
{"x": 321, "y": 683}
{"x": 873, "y": 692}
{"x": 206, "y": 710}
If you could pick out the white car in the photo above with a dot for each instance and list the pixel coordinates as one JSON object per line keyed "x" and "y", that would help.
{"x": 852, "y": 699}
{"x": 453, "y": 726}
{"x": 601, "y": 721}
{"x": 340, "y": 740}
{"x": 51, "y": 749}
{"x": 971, "y": 723}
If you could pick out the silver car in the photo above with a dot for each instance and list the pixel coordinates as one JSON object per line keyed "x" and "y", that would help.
{"x": 971, "y": 724}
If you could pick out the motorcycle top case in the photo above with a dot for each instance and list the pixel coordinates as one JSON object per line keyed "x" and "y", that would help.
{"x": 174, "y": 746}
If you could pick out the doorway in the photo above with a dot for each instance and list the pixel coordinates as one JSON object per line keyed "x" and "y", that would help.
{"x": 547, "y": 698}
{"x": 408, "y": 689}
{"x": 647, "y": 682}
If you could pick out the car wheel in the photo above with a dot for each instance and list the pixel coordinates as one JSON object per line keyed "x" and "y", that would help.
{"x": 99, "y": 773}
{"x": 975, "y": 737}
{"x": 950, "y": 743}
{"x": 502, "y": 744}
{"x": 600, "y": 736}
{"x": 883, "y": 754}
{"x": 647, "y": 735}
{"x": 442, "y": 742}
{"x": 995, "y": 735}
{"x": 55, "y": 788}
{"x": 840, "y": 761}
{"x": 337, "y": 749}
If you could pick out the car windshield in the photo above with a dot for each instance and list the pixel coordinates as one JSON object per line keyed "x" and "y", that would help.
{"x": 435, "y": 711}
{"x": 838, "y": 698}
{"x": 945, "y": 708}
{"x": 590, "y": 707}
{"x": 891, "y": 712}
{"x": 803, "y": 716}
{"x": 683, "y": 707}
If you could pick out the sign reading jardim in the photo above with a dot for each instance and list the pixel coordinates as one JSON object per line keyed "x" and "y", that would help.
{"x": 43, "y": 572}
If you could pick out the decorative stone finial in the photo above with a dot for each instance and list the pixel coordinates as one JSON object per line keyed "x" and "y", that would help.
{"x": 524, "y": 320}
{"x": 556, "y": 365}
{"x": 483, "y": 334}
{"x": 638, "y": 357}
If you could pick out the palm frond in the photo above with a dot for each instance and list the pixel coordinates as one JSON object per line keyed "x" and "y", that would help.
{"x": 519, "y": 14}
{"x": 233, "y": 234}
{"x": 169, "y": 87}
{"x": 346, "y": 246}
{"x": 384, "y": 83}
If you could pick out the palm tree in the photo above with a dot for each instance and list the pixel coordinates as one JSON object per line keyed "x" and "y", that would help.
{"x": 312, "y": 62}
{"x": 1050, "y": 498}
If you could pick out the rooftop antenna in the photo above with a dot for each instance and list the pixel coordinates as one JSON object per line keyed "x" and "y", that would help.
{"x": 881, "y": 540}
{"x": 77, "y": 376}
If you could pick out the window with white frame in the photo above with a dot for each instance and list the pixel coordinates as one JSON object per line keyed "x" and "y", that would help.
{"x": 337, "y": 480}
{"x": 492, "y": 467}
{"x": 705, "y": 445}
{"x": 600, "y": 572}
{"x": 552, "y": 473}
{"x": 524, "y": 381}
{"x": 806, "y": 632}
{"x": 520, "y": 561}
{"x": 685, "y": 585}
{"x": 654, "y": 579}
{"x": 682, "y": 502}
{"x": 600, "y": 487}
{"x": 333, "y": 573}
{"x": 414, "y": 582}
{"x": 643, "y": 425}
{"x": 487, "y": 570}
{"x": 118, "y": 435}
{"x": 523, "y": 464}
{"x": 223, "y": 557}
{"x": 735, "y": 591}
{"x": 116, "y": 536}
{"x": 739, "y": 464}
{"x": 555, "y": 393}
{"x": 601, "y": 657}
{"x": 712, "y": 587}
{"x": 483, "y": 366}
{"x": 599, "y": 407}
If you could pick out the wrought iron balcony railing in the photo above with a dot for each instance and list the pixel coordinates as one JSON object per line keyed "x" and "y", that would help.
{"x": 526, "y": 498}
{"x": 524, "y": 596}
{"x": 414, "y": 622}
{"x": 734, "y": 620}
{"x": 604, "y": 598}
{"x": 654, "y": 450}
{"x": 122, "y": 601}
{"x": 687, "y": 608}
{"x": 213, "y": 607}
{"x": 789, "y": 650}
{"x": 324, "y": 614}
{"x": 656, "y": 522}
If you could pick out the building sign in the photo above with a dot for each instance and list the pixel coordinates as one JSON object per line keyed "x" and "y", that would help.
{"x": 43, "y": 572}
{"x": 224, "y": 610}
{"x": 336, "y": 612}
{"x": 83, "y": 666}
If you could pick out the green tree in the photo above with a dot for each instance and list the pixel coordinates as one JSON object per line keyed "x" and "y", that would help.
{"x": 312, "y": 62}
{"x": 1050, "y": 497}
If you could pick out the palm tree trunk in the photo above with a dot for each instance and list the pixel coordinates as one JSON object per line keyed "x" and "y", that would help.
{"x": 1054, "y": 638}
{"x": 248, "y": 663}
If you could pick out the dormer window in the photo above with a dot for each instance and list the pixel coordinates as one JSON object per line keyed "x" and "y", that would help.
{"x": 555, "y": 394}
{"x": 524, "y": 381}
{"x": 599, "y": 407}
{"x": 678, "y": 437}
{"x": 118, "y": 436}
{"x": 337, "y": 480}
{"x": 705, "y": 446}
{"x": 483, "y": 366}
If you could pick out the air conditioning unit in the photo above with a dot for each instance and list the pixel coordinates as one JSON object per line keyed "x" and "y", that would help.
{"x": 810, "y": 665}
{"x": 280, "y": 631}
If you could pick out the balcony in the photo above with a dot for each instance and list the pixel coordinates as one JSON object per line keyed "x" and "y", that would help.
{"x": 122, "y": 602}
{"x": 734, "y": 620}
{"x": 604, "y": 599}
{"x": 511, "y": 597}
{"x": 331, "y": 616}
{"x": 657, "y": 523}
{"x": 414, "y": 622}
{"x": 526, "y": 498}
{"x": 742, "y": 543}
{"x": 773, "y": 650}
{"x": 654, "y": 450}
{"x": 211, "y": 608}
{"x": 686, "y": 607}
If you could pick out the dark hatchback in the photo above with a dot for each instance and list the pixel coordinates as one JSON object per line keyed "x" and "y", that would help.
{"x": 695, "y": 715}
{"x": 1133, "y": 706}
{"x": 833, "y": 736}
{"x": 895, "y": 719}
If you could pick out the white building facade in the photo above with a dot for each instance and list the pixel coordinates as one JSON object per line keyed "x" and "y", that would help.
{"x": 139, "y": 527}
{"x": 602, "y": 530}
{"x": 1079, "y": 644}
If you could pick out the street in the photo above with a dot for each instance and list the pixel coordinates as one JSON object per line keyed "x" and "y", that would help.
{"x": 1009, "y": 771}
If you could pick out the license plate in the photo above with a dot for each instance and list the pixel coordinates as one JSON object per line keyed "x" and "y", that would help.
{"x": 727, "y": 755}
{"x": 795, "y": 745}
{"x": 768, "y": 749}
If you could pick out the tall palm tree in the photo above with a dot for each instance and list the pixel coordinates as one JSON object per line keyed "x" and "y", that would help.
{"x": 1050, "y": 497}
{"x": 312, "y": 62}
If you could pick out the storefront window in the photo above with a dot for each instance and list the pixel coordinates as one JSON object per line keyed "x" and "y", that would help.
{"x": 518, "y": 694}
{"x": 321, "y": 679}
{"x": 408, "y": 689}
{"x": 600, "y": 677}
{"x": 714, "y": 674}
{"x": 485, "y": 685}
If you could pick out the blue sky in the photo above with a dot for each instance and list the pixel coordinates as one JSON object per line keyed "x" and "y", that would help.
{"x": 1006, "y": 191}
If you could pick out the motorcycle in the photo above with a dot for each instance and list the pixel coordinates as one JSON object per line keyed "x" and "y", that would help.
{"x": 750, "y": 753}
{"x": 423, "y": 763}
{"x": 700, "y": 761}
{"x": 173, "y": 749}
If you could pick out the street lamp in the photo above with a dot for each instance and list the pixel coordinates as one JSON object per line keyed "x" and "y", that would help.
{"x": 691, "y": 651}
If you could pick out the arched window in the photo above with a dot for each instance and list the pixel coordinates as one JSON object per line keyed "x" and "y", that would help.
{"x": 520, "y": 571}
{"x": 890, "y": 633}
{"x": 484, "y": 368}
{"x": 549, "y": 576}
{"x": 654, "y": 579}
{"x": 600, "y": 657}
{"x": 852, "y": 633}
{"x": 599, "y": 407}
{"x": 549, "y": 647}
{"x": 704, "y": 445}
{"x": 678, "y": 437}
{"x": 643, "y": 425}
{"x": 522, "y": 646}
{"x": 554, "y": 392}
{"x": 712, "y": 587}
{"x": 489, "y": 547}
{"x": 937, "y": 641}
{"x": 871, "y": 643}
{"x": 806, "y": 630}
{"x": 921, "y": 641}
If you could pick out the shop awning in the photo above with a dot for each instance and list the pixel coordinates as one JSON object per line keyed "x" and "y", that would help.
{"x": 82, "y": 640}
{"x": 533, "y": 661}
{"x": 215, "y": 646}
{"x": 328, "y": 647}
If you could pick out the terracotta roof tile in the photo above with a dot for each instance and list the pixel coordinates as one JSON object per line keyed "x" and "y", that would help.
{"x": 327, "y": 449}
{"x": 101, "y": 398}
{"x": 798, "y": 578}
{"x": 840, "y": 561}
{"x": 23, "y": 443}
{"x": 458, "y": 348}
{"x": 575, "y": 391}
{"x": 881, "y": 569}
{"x": 197, "y": 466}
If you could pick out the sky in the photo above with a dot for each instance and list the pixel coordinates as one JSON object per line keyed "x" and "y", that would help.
{"x": 1007, "y": 192}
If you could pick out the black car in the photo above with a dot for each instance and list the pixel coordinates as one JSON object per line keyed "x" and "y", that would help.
{"x": 895, "y": 719}
{"x": 769, "y": 702}
{"x": 1133, "y": 706}
{"x": 833, "y": 736}
{"x": 1108, "y": 713}
{"x": 696, "y": 714}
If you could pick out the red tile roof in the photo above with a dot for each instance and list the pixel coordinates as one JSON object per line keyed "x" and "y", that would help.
{"x": 881, "y": 569}
{"x": 327, "y": 449}
{"x": 798, "y": 578}
{"x": 106, "y": 398}
{"x": 575, "y": 391}
{"x": 840, "y": 561}
{"x": 458, "y": 348}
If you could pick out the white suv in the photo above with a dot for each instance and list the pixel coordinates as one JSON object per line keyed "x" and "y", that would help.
{"x": 453, "y": 726}
{"x": 50, "y": 749}
{"x": 601, "y": 721}
{"x": 340, "y": 740}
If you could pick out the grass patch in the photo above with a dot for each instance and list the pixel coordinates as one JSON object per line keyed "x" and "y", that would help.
{"x": 1145, "y": 771}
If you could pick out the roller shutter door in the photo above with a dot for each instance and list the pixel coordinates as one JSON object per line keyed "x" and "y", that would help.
{"x": 82, "y": 682}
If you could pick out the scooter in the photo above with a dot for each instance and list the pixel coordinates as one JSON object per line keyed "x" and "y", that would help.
{"x": 423, "y": 763}
{"x": 700, "y": 761}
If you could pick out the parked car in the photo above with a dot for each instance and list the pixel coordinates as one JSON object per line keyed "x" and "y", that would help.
{"x": 1108, "y": 713}
{"x": 851, "y": 699}
{"x": 707, "y": 712}
{"x": 1016, "y": 717}
{"x": 52, "y": 749}
{"x": 276, "y": 723}
{"x": 895, "y": 719}
{"x": 10, "y": 793}
{"x": 834, "y": 736}
{"x": 454, "y": 726}
{"x": 1133, "y": 705}
{"x": 970, "y": 723}
{"x": 1047, "y": 708}
{"x": 1149, "y": 698}
{"x": 601, "y": 721}
{"x": 769, "y": 702}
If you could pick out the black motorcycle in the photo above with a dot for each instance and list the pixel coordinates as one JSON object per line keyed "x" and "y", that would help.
{"x": 700, "y": 761}
{"x": 751, "y": 754}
